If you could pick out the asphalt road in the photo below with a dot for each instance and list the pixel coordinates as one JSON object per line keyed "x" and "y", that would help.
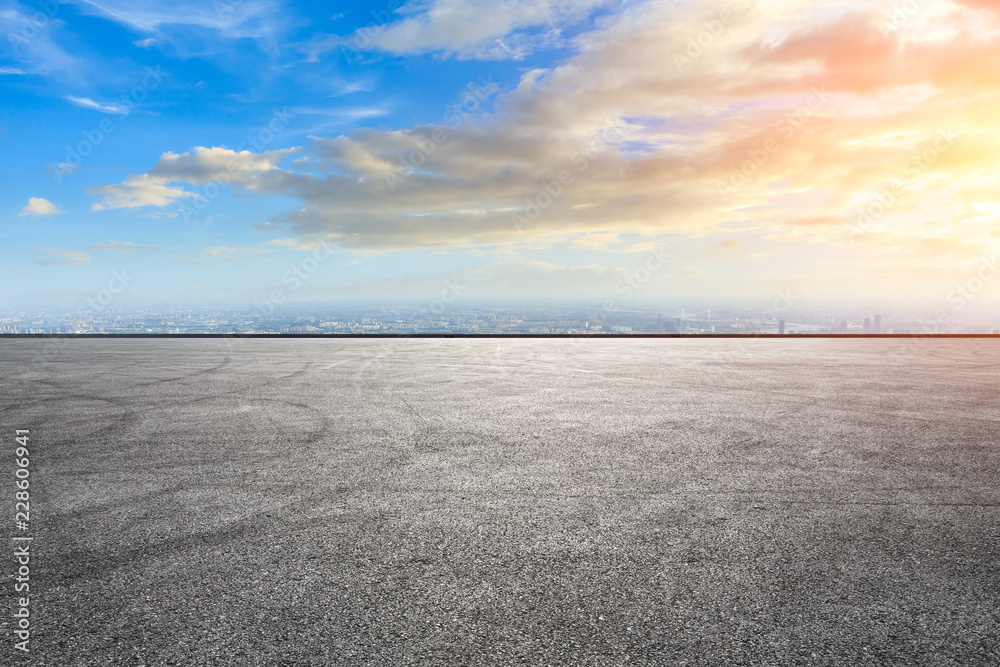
{"x": 494, "y": 502}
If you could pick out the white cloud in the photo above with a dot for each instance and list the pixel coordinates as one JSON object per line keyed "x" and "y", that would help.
{"x": 646, "y": 147}
{"x": 103, "y": 107}
{"x": 597, "y": 240}
{"x": 62, "y": 169}
{"x": 256, "y": 172}
{"x": 231, "y": 255}
{"x": 129, "y": 248}
{"x": 40, "y": 206}
{"x": 12, "y": 70}
{"x": 206, "y": 165}
{"x": 501, "y": 30}
{"x": 231, "y": 18}
{"x": 137, "y": 191}
{"x": 221, "y": 251}
{"x": 64, "y": 257}
{"x": 330, "y": 118}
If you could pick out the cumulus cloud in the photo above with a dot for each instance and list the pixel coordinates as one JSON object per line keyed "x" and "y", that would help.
{"x": 37, "y": 206}
{"x": 219, "y": 167}
{"x": 206, "y": 165}
{"x": 137, "y": 191}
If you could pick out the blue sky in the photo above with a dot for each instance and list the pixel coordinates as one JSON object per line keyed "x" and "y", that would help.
{"x": 209, "y": 149}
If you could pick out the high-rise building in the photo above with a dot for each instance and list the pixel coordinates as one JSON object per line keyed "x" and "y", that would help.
{"x": 781, "y": 327}
{"x": 843, "y": 326}
{"x": 877, "y": 327}
{"x": 868, "y": 325}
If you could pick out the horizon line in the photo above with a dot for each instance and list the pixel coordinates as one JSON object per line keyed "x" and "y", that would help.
{"x": 484, "y": 335}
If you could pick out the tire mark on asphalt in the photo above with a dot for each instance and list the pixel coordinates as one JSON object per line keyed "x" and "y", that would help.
{"x": 205, "y": 371}
{"x": 57, "y": 518}
{"x": 77, "y": 566}
{"x": 305, "y": 368}
{"x": 132, "y": 418}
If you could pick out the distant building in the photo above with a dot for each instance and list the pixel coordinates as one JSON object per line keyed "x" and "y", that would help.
{"x": 781, "y": 327}
{"x": 868, "y": 325}
{"x": 843, "y": 326}
{"x": 877, "y": 326}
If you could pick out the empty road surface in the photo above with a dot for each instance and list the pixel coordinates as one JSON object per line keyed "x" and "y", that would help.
{"x": 498, "y": 501}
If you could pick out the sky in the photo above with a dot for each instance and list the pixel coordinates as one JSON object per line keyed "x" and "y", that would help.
{"x": 244, "y": 152}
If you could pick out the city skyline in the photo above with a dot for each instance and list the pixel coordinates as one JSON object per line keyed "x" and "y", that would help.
{"x": 780, "y": 317}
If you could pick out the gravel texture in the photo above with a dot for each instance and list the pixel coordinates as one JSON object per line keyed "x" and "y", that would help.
{"x": 494, "y": 502}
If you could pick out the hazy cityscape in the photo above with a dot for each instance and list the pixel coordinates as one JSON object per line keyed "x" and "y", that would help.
{"x": 571, "y": 319}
